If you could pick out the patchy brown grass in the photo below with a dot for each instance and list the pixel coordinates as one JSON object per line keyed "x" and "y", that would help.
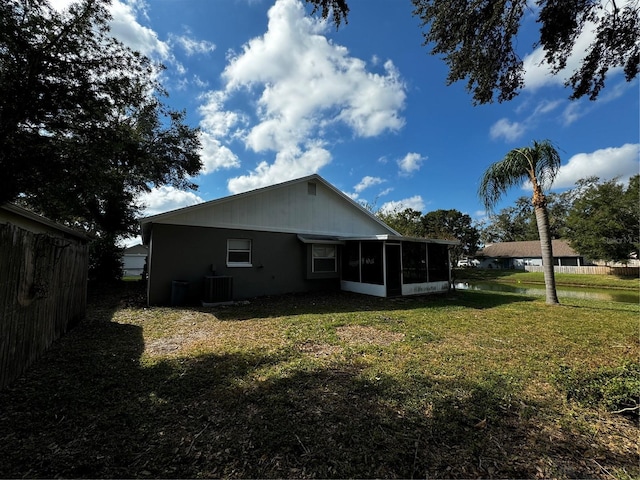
{"x": 357, "y": 334}
{"x": 331, "y": 386}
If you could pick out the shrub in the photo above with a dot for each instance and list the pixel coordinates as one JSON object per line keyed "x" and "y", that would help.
{"x": 614, "y": 388}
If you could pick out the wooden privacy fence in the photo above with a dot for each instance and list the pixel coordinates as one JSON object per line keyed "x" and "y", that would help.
{"x": 43, "y": 292}
{"x": 593, "y": 270}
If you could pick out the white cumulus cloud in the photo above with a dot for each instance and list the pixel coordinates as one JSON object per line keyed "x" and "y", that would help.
{"x": 126, "y": 28}
{"x": 192, "y": 46}
{"x": 367, "y": 182}
{"x": 415, "y": 203}
{"x": 305, "y": 85}
{"x": 215, "y": 156}
{"x": 573, "y": 112}
{"x": 506, "y": 129}
{"x": 410, "y": 163}
{"x": 606, "y": 163}
{"x": 165, "y": 198}
{"x": 287, "y": 166}
{"x": 535, "y": 113}
{"x": 217, "y": 121}
{"x": 304, "y": 79}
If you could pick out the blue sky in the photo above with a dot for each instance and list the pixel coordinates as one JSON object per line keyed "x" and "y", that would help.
{"x": 280, "y": 95}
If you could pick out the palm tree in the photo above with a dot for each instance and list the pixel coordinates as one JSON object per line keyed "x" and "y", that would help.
{"x": 538, "y": 164}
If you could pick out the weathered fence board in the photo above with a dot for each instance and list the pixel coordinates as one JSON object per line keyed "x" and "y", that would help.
{"x": 592, "y": 270}
{"x": 43, "y": 292}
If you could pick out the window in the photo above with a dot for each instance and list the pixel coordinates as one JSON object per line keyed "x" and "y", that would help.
{"x": 238, "y": 252}
{"x": 324, "y": 258}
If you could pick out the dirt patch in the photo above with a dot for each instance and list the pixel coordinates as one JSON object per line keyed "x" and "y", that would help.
{"x": 368, "y": 335}
{"x": 164, "y": 346}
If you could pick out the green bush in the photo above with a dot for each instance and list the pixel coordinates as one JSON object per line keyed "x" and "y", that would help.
{"x": 105, "y": 260}
{"x": 614, "y": 388}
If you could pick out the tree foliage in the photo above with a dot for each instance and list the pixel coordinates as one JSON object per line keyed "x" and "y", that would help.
{"x": 454, "y": 225}
{"x": 604, "y": 222}
{"x": 518, "y": 222}
{"x": 478, "y": 40}
{"x": 338, "y": 9}
{"x": 105, "y": 259}
{"x": 439, "y": 224}
{"x": 407, "y": 222}
{"x": 83, "y": 129}
{"x": 82, "y": 126}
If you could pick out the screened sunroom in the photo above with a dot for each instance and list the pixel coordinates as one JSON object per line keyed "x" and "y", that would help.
{"x": 387, "y": 266}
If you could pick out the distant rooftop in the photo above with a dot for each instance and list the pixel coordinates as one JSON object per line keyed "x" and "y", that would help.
{"x": 527, "y": 249}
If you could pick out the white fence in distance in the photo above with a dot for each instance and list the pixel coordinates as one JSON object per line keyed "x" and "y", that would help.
{"x": 593, "y": 270}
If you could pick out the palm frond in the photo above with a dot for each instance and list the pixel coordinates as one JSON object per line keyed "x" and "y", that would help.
{"x": 547, "y": 162}
{"x": 501, "y": 176}
{"x": 539, "y": 163}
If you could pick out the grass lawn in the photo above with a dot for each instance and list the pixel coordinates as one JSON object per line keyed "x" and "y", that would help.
{"x": 475, "y": 384}
{"x": 567, "y": 279}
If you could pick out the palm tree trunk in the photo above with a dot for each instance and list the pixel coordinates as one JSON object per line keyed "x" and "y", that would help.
{"x": 542, "y": 219}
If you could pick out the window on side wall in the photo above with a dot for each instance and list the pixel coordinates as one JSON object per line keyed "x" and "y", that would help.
{"x": 238, "y": 252}
{"x": 324, "y": 259}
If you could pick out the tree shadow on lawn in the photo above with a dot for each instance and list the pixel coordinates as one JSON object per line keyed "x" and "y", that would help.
{"x": 94, "y": 407}
{"x": 611, "y": 306}
{"x": 346, "y": 302}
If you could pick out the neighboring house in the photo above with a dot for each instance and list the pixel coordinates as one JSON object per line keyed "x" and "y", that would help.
{"x": 34, "y": 223}
{"x": 133, "y": 260}
{"x": 301, "y": 235}
{"x": 518, "y": 255}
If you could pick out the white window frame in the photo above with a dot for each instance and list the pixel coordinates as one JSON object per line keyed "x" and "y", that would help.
{"x": 231, "y": 248}
{"x": 333, "y": 257}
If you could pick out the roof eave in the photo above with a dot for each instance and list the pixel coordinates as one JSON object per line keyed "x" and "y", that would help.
{"x": 18, "y": 210}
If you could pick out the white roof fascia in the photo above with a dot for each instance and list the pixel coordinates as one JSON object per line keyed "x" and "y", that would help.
{"x": 320, "y": 239}
{"x": 400, "y": 238}
{"x": 432, "y": 240}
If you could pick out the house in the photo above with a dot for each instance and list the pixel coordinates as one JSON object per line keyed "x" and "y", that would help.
{"x": 518, "y": 255}
{"x": 134, "y": 259}
{"x": 297, "y": 236}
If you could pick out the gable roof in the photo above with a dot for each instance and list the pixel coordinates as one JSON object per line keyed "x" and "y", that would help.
{"x": 308, "y": 205}
{"x": 136, "y": 250}
{"x": 526, "y": 249}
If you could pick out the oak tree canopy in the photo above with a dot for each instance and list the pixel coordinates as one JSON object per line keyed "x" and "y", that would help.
{"x": 478, "y": 38}
{"x": 83, "y": 128}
